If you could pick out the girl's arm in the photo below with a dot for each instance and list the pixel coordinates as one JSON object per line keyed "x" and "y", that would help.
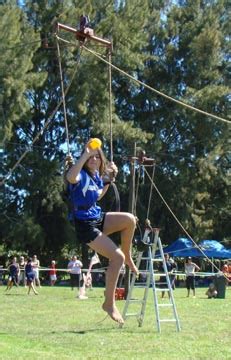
{"x": 73, "y": 172}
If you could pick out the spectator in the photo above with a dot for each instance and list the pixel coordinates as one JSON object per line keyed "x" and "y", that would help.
{"x": 173, "y": 273}
{"x": 74, "y": 268}
{"x": 36, "y": 266}
{"x": 30, "y": 276}
{"x": 211, "y": 292}
{"x": 190, "y": 269}
{"x": 22, "y": 277}
{"x": 14, "y": 272}
{"x": 52, "y": 273}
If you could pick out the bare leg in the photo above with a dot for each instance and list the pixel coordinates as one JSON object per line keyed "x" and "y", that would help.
{"x": 32, "y": 287}
{"x": 106, "y": 247}
{"x": 124, "y": 223}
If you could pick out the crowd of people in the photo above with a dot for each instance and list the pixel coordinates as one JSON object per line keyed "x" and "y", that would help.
{"x": 25, "y": 271}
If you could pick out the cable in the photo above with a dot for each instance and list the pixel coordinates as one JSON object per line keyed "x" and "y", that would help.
{"x": 63, "y": 96}
{"x": 47, "y": 123}
{"x": 179, "y": 223}
{"x": 159, "y": 92}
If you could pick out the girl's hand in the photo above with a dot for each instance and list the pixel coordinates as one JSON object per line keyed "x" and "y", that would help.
{"x": 89, "y": 152}
{"x": 112, "y": 170}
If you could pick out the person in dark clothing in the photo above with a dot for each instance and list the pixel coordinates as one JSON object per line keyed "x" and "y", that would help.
{"x": 13, "y": 274}
{"x": 85, "y": 26}
{"x": 30, "y": 276}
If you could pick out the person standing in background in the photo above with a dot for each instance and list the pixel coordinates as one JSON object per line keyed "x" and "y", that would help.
{"x": 74, "y": 268}
{"x": 14, "y": 272}
{"x": 29, "y": 273}
{"x": 190, "y": 269}
{"x": 22, "y": 277}
{"x": 36, "y": 266}
{"x": 52, "y": 273}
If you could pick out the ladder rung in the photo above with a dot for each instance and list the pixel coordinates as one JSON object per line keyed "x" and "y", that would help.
{"x": 158, "y": 285}
{"x": 141, "y": 285}
{"x": 162, "y": 289}
{"x": 136, "y": 300}
{"x": 132, "y": 314}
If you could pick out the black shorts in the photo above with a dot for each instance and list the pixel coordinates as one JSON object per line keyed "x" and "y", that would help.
{"x": 190, "y": 282}
{"x": 88, "y": 230}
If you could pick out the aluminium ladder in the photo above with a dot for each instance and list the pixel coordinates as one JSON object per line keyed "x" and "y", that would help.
{"x": 150, "y": 281}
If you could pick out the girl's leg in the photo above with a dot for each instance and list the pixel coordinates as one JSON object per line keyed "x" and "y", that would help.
{"x": 125, "y": 223}
{"x": 103, "y": 245}
{"x": 33, "y": 288}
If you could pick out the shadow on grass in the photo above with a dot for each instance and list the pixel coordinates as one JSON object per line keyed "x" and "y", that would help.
{"x": 103, "y": 329}
{"x": 12, "y": 294}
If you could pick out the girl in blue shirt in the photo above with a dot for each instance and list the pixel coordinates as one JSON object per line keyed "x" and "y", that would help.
{"x": 93, "y": 227}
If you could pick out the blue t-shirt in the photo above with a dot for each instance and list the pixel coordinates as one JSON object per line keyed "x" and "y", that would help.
{"x": 13, "y": 270}
{"x": 84, "y": 196}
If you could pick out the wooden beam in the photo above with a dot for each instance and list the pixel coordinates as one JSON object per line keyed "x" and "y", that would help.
{"x": 82, "y": 36}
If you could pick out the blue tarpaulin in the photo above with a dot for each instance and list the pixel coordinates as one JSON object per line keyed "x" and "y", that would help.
{"x": 184, "y": 247}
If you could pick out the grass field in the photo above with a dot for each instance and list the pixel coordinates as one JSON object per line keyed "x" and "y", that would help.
{"x": 57, "y": 325}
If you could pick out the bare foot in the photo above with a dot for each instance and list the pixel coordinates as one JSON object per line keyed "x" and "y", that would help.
{"x": 113, "y": 312}
{"x": 131, "y": 265}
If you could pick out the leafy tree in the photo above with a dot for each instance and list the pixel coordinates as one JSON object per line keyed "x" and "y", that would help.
{"x": 179, "y": 48}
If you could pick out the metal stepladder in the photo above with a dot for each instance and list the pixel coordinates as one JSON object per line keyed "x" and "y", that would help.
{"x": 151, "y": 282}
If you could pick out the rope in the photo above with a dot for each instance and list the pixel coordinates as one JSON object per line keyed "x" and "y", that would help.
{"x": 109, "y": 89}
{"x": 136, "y": 189}
{"x": 179, "y": 223}
{"x": 150, "y": 195}
{"x": 156, "y": 272}
{"x": 110, "y": 104}
{"x": 63, "y": 96}
{"x": 159, "y": 92}
{"x": 47, "y": 123}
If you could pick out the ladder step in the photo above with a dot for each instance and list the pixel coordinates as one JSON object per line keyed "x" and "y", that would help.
{"x": 157, "y": 260}
{"x": 132, "y": 314}
{"x": 162, "y": 289}
{"x": 140, "y": 285}
{"x": 136, "y": 300}
{"x": 152, "y": 270}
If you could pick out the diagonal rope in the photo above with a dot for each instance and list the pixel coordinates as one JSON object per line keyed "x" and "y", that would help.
{"x": 179, "y": 223}
{"x": 157, "y": 91}
{"x": 150, "y": 195}
{"x": 110, "y": 104}
{"x": 47, "y": 123}
{"x": 63, "y": 96}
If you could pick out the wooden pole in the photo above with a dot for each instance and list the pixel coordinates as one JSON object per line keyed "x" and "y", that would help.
{"x": 131, "y": 206}
{"x": 82, "y": 36}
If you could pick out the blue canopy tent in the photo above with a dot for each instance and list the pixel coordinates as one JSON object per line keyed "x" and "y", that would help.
{"x": 214, "y": 249}
{"x": 184, "y": 247}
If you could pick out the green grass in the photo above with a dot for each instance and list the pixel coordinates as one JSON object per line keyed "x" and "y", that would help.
{"x": 56, "y": 325}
